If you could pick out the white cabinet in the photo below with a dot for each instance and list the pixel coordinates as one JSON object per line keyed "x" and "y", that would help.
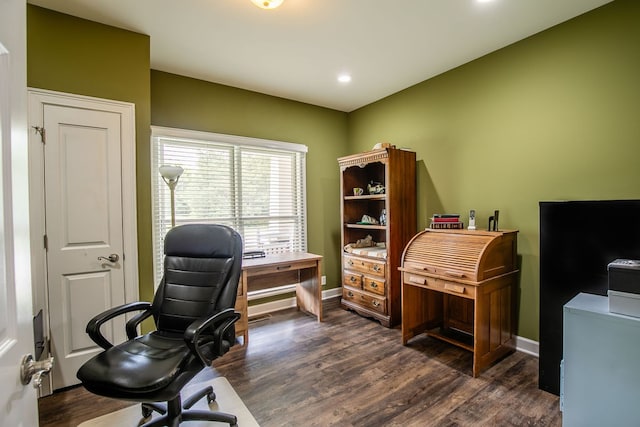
{"x": 601, "y": 365}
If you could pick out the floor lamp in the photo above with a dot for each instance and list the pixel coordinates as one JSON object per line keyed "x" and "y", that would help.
{"x": 170, "y": 175}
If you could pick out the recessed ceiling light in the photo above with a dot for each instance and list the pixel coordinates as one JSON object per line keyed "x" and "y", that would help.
{"x": 344, "y": 78}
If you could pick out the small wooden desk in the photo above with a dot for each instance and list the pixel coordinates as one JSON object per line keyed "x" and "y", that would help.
{"x": 301, "y": 268}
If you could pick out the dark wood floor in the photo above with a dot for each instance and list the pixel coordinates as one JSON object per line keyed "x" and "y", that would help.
{"x": 351, "y": 371}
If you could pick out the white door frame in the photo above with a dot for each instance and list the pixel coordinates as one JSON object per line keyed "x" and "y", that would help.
{"x": 18, "y": 405}
{"x": 37, "y": 99}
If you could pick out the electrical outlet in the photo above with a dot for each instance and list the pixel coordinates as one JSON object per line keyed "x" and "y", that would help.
{"x": 324, "y": 280}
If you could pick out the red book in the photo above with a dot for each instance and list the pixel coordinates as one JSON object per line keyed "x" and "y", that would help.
{"x": 445, "y": 219}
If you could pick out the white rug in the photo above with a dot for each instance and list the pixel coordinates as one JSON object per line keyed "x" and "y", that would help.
{"x": 226, "y": 401}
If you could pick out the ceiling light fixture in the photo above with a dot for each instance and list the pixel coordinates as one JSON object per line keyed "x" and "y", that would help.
{"x": 344, "y": 78}
{"x": 267, "y": 4}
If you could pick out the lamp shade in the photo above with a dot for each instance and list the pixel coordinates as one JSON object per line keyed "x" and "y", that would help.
{"x": 170, "y": 172}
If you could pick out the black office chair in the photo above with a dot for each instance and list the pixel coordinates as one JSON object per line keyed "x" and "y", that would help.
{"x": 193, "y": 310}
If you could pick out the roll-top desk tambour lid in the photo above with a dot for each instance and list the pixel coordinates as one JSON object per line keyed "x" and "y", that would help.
{"x": 464, "y": 255}
{"x": 459, "y": 286}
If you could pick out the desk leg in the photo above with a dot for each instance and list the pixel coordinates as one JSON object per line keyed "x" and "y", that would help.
{"x": 421, "y": 311}
{"x": 309, "y": 291}
{"x": 245, "y": 338}
{"x": 242, "y": 306}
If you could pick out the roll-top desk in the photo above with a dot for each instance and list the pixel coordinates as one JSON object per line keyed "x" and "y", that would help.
{"x": 460, "y": 286}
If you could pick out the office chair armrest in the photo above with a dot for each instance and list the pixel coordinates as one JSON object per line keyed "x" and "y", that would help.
{"x": 220, "y": 322}
{"x": 93, "y": 327}
{"x": 132, "y": 324}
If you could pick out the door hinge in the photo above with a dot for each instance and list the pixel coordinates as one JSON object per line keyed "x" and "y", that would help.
{"x": 46, "y": 243}
{"x": 41, "y": 131}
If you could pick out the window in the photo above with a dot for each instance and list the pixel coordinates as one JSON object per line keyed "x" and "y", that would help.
{"x": 255, "y": 186}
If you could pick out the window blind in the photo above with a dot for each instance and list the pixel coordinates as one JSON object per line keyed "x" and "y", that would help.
{"x": 255, "y": 186}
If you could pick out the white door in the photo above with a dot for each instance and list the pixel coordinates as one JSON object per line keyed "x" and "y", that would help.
{"x": 83, "y": 199}
{"x": 18, "y": 405}
{"x": 83, "y": 204}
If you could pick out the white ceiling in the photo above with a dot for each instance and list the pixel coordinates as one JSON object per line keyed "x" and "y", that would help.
{"x": 298, "y": 50}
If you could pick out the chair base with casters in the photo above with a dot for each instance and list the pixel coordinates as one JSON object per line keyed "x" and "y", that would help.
{"x": 174, "y": 412}
{"x": 193, "y": 310}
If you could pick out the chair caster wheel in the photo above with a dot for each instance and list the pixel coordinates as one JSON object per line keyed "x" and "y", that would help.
{"x": 146, "y": 412}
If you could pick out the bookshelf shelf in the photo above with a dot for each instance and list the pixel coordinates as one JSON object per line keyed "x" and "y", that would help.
{"x": 367, "y": 226}
{"x": 367, "y": 197}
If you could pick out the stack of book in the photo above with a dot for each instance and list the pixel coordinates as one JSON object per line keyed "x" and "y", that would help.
{"x": 446, "y": 221}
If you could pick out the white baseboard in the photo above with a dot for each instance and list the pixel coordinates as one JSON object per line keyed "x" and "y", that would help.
{"x": 524, "y": 345}
{"x": 528, "y": 346}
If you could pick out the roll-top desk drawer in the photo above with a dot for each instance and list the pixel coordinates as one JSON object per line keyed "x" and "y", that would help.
{"x": 440, "y": 285}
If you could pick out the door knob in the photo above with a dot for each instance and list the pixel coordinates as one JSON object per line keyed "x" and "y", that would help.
{"x": 30, "y": 368}
{"x": 110, "y": 258}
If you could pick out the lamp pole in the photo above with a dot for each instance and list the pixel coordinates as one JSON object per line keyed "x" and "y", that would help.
{"x": 170, "y": 175}
{"x": 172, "y": 190}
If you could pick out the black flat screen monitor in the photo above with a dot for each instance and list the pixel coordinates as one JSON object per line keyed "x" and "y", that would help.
{"x": 578, "y": 239}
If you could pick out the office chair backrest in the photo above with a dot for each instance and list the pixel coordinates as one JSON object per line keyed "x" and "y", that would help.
{"x": 202, "y": 267}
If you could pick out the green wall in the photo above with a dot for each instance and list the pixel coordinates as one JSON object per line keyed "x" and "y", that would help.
{"x": 553, "y": 117}
{"x": 73, "y": 55}
{"x": 186, "y": 103}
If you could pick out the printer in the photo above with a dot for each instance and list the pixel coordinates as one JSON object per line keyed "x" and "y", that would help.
{"x": 624, "y": 287}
